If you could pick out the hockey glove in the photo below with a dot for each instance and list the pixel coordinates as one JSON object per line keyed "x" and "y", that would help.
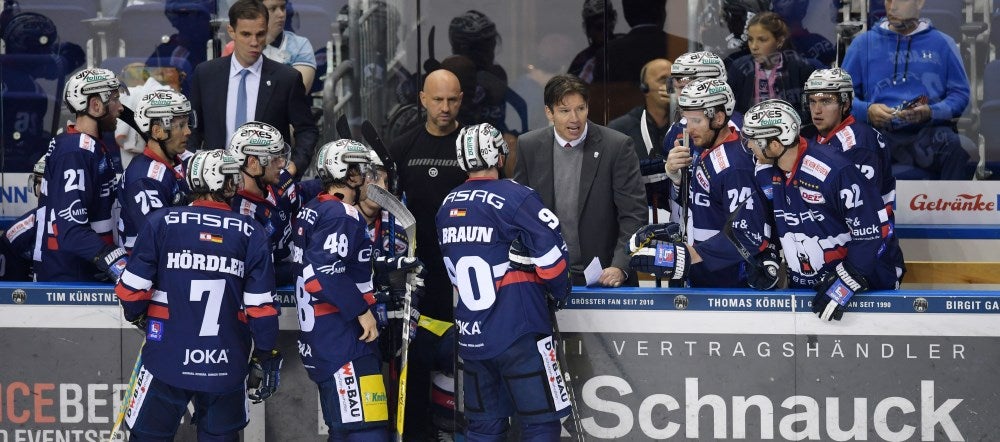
{"x": 763, "y": 275}
{"x": 520, "y": 258}
{"x": 653, "y": 169}
{"x": 265, "y": 375}
{"x": 835, "y": 289}
{"x": 111, "y": 261}
{"x": 664, "y": 259}
{"x": 670, "y": 232}
{"x": 416, "y": 286}
{"x": 139, "y": 322}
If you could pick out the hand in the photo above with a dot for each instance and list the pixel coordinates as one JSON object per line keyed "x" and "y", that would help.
{"x": 290, "y": 167}
{"x": 369, "y": 327}
{"x": 763, "y": 275}
{"x": 835, "y": 289}
{"x": 611, "y": 277}
{"x": 265, "y": 374}
{"x": 666, "y": 259}
{"x": 679, "y": 158}
{"x": 112, "y": 261}
{"x": 880, "y": 115}
{"x": 519, "y": 257}
{"x": 670, "y": 232}
{"x": 916, "y": 115}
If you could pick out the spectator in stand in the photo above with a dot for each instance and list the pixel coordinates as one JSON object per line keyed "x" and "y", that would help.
{"x": 286, "y": 46}
{"x": 911, "y": 85}
{"x": 599, "y": 20}
{"x": 18, "y": 241}
{"x": 772, "y": 70}
{"x": 736, "y": 15}
{"x": 813, "y": 47}
{"x": 647, "y": 125}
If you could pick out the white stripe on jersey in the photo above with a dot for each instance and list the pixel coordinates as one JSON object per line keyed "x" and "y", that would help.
{"x": 702, "y": 234}
{"x": 830, "y": 242}
{"x": 889, "y": 197}
{"x": 501, "y": 268}
{"x": 257, "y": 298}
{"x": 366, "y": 286}
{"x": 102, "y": 226}
{"x": 308, "y": 272}
{"x": 883, "y": 216}
{"x": 130, "y": 241}
{"x": 161, "y": 297}
{"x": 549, "y": 258}
{"x": 135, "y": 281}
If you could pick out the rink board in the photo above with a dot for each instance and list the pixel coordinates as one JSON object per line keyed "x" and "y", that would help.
{"x": 669, "y": 364}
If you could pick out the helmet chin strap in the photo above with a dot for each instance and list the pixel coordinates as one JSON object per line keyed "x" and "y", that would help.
{"x": 768, "y": 146}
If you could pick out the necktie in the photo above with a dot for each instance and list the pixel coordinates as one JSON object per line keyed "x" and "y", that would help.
{"x": 241, "y": 99}
{"x": 568, "y": 146}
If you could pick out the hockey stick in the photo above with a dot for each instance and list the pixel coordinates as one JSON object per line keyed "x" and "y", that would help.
{"x": 129, "y": 392}
{"x": 343, "y": 128}
{"x": 685, "y": 188}
{"x": 128, "y": 116}
{"x": 375, "y": 141}
{"x": 730, "y": 234}
{"x": 567, "y": 378}
{"x": 405, "y": 218}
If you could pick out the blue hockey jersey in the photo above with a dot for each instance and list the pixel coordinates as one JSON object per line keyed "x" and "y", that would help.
{"x": 275, "y": 212}
{"x": 476, "y": 225}
{"x": 16, "y": 246}
{"x": 826, "y": 212}
{"x": 78, "y": 192}
{"x": 863, "y": 146}
{"x": 722, "y": 181}
{"x": 149, "y": 183}
{"x": 203, "y": 276}
{"x": 332, "y": 252}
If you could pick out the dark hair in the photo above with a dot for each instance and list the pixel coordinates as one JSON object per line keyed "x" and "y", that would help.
{"x": 562, "y": 85}
{"x": 773, "y": 23}
{"x": 644, "y": 12}
{"x": 247, "y": 10}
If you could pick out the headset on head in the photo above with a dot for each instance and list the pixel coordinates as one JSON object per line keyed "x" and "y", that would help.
{"x": 643, "y": 87}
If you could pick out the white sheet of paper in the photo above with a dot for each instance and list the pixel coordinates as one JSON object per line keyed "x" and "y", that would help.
{"x": 593, "y": 272}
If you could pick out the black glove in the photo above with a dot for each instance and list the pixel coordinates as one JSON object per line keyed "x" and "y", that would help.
{"x": 519, "y": 257}
{"x": 669, "y": 232}
{"x": 763, "y": 275}
{"x": 835, "y": 289}
{"x": 384, "y": 266}
{"x": 111, "y": 261}
{"x": 265, "y": 375}
{"x": 668, "y": 260}
{"x": 139, "y": 322}
{"x": 653, "y": 169}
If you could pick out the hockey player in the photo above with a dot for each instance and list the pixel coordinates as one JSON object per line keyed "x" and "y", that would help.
{"x": 834, "y": 230}
{"x": 200, "y": 284}
{"x": 502, "y": 317}
{"x": 332, "y": 252}
{"x": 79, "y": 187}
{"x": 155, "y": 179}
{"x": 829, "y": 95}
{"x": 16, "y": 243}
{"x": 268, "y": 191}
{"x": 722, "y": 180}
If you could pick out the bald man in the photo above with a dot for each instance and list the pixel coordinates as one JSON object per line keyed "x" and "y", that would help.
{"x": 647, "y": 125}
{"x": 425, "y": 157}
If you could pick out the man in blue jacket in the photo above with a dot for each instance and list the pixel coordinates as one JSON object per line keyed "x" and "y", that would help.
{"x": 910, "y": 84}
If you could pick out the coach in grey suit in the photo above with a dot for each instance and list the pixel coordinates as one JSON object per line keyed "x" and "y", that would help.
{"x": 600, "y": 200}
{"x": 280, "y": 101}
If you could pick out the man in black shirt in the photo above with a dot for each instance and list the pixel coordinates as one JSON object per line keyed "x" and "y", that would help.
{"x": 428, "y": 170}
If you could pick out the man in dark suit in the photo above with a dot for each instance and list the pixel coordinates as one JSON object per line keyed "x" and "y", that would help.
{"x": 601, "y": 201}
{"x": 276, "y": 89}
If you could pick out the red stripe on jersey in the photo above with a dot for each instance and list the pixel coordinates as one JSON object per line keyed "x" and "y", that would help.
{"x": 313, "y": 286}
{"x": 108, "y": 239}
{"x": 241, "y": 316}
{"x": 552, "y": 272}
{"x": 763, "y": 245}
{"x": 324, "y": 308}
{"x": 370, "y": 298}
{"x": 518, "y": 276}
{"x": 130, "y": 295}
{"x": 836, "y": 254}
{"x": 158, "y": 311}
{"x": 261, "y": 311}
{"x": 52, "y": 243}
{"x": 885, "y": 230}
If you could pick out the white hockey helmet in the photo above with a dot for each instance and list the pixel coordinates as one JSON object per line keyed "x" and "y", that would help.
{"x": 698, "y": 65}
{"x": 89, "y": 82}
{"x": 772, "y": 119}
{"x": 162, "y": 106}
{"x": 375, "y": 159}
{"x": 479, "y": 147}
{"x": 336, "y": 158}
{"x": 260, "y": 140}
{"x": 206, "y": 171}
{"x": 834, "y": 81}
{"x": 707, "y": 94}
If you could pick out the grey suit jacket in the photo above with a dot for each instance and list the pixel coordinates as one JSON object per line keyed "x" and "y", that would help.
{"x": 612, "y": 198}
{"x": 281, "y": 102}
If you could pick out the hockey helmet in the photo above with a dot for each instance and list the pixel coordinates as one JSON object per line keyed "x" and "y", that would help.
{"x": 772, "y": 119}
{"x": 260, "y": 140}
{"x": 698, "y": 65}
{"x": 87, "y": 82}
{"x": 207, "y": 170}
{"x": 337, "y": 157}
{"x": 480, "y": 147}
{"x": 162, "y": 106}
{"x": 30, "y": 33}
{"x": 834, "y": 81}
{"x": 593, "y": 9}
{"x": 707, "y": 93}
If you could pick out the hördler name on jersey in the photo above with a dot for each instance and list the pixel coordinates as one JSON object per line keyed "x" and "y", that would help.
{"x": 210, "y": 263}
